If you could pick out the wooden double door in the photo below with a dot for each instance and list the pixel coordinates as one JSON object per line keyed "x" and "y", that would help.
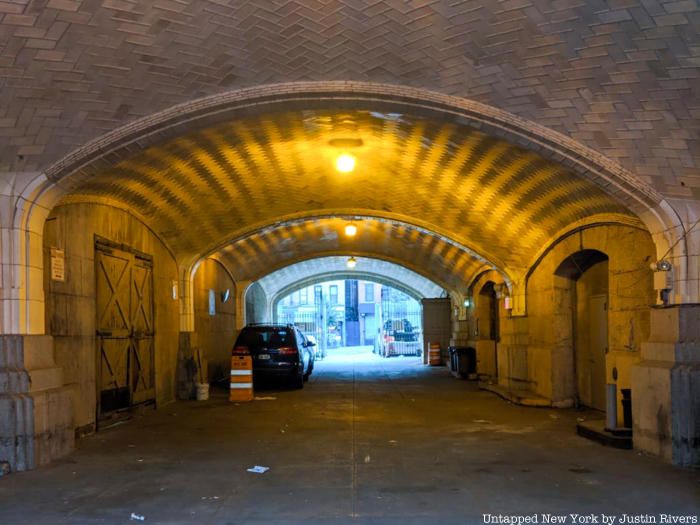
{"x": 125, "y": 329}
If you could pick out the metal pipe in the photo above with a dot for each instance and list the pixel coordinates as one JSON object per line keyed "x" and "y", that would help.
{"x": 611, "y": 408}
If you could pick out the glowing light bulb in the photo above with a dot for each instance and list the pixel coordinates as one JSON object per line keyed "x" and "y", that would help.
{"x": 352, "y": 262}
{"x": 345, "y": 163}
{"x": 350, "y": 230}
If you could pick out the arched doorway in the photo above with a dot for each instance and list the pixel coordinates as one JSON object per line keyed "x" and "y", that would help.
{"x": 488, "y": 329}
{"x": 583, "y": 282}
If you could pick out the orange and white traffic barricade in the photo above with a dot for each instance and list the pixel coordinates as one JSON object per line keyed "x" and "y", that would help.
{"x": 241, "y": 378}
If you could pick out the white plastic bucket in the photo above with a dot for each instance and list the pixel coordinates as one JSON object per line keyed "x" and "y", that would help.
{"x": 202, "y": 391}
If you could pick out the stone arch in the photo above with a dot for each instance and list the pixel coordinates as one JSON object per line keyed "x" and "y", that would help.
{"x": 360, "y": 276}
{"x": 47, "y": 188}
{"x": 287, "y": 278}
{"x": 487, "y": 293}
{"x": 628, "y": 251}
{"x": 581, "y": 289}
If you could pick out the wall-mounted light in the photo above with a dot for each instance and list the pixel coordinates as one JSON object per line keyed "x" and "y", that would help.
{"x": 345, "y": 163}
{"x": 662, "y": 266}
{"x": 508, "y": 302}
{"x": 467, "y": 302}
{"x": 351, "y": 263}
{"x": 350, "y": 230}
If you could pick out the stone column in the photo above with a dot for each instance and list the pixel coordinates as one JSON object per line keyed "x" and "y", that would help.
{"x": 36, "y": 409}
{"x": 666, "y": 387}
{"x": 241, "y": 289}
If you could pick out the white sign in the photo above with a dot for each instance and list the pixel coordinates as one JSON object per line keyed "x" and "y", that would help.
{"x": 58, "y": 265}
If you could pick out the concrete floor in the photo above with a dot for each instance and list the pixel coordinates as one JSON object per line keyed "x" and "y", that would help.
{"x": 369, "y": 440}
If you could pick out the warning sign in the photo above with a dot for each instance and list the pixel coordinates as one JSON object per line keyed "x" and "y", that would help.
{"x": 58, "y": 265}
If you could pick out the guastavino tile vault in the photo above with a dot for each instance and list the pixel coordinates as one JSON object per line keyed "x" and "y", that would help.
{"x": 169, "y": 171}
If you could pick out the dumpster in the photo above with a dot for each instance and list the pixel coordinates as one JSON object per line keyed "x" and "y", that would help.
{"x": 462, "y": 361}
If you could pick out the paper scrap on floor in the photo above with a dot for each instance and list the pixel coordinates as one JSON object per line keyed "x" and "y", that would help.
{"x": 257, "y": 469}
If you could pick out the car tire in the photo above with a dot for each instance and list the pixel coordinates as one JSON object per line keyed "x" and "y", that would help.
{"x": 297, "y": 381}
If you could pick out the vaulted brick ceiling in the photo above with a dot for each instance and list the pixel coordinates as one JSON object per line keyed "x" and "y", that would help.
{"x": 280, "y": 246}
{"x": 316, "y": 270}
{"x": 620, "y": 77}
{"x": 473, "y": 201}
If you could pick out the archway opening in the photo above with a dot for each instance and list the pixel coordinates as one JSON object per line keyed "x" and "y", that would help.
{"x": 582, "y": 281}
{"x": 358, "y": 318}
{"x": 488, "y": 329}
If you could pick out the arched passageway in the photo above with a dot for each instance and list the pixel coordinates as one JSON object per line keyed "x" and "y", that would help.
{"x": 481, "y": 204}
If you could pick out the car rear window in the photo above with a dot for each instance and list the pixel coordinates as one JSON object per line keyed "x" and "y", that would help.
{"x": 267, "y": 337}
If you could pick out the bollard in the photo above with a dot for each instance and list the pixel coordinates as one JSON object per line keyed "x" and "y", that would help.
{"x": 611, "y": 409}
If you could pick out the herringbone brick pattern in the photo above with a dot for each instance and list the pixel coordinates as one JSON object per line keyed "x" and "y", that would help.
{"x": 301, "y": 272}
{"x": 202, "y": 190}
{"x": 289, "y": 253}
{"x": 619, "y": 76}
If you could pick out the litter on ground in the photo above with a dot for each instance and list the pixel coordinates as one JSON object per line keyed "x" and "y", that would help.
{"x": 257, "y": 469}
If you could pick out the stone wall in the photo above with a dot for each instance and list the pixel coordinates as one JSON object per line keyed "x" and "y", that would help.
{"x": 256, "y": 307}
{"x": 666, "y": 399}
{"x": 70, "y": 305}
{"x": 535, "y": 351}
{"x": 630, "y": 252}
{"x": 215, "y": 333}
{"x": 36, "y": 409}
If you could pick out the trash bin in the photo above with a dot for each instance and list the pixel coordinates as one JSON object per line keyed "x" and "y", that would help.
{"x": 463, "y": 361}
{"x": 452, "y": 351}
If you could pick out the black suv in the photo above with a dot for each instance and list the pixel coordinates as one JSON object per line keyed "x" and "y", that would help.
{"x": 277, "y": 351}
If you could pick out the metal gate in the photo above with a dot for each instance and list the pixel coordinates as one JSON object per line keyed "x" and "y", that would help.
{"x": 125, "y": 330}
{"x": 310, "y": 323}
{"x": 401, "y": 325}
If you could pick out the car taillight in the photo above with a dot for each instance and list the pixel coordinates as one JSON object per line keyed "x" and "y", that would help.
{"x": 288, "y": 350}
{"x": 241, "y": 350}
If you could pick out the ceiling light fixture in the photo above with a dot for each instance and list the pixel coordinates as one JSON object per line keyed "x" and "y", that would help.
{"x": 350, "y": 230}
{"x": 345, "y": 163}
{"x": 352, "y": 262}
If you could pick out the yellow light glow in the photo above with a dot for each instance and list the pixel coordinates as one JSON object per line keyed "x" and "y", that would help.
{"x": 345, "y": 163}
{"x": 350, "y": 230}
{"x": 352, "y": 262}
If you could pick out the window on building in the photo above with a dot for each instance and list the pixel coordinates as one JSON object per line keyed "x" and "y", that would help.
{"x": 369, "y": 292}
{"x": 295, "y": 298}
{"x": 334, "y": 293}
{"x": 318, "y": 294}
{"x": 304, "y": 296}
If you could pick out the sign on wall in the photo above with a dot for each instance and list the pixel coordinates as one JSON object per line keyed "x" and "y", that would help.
{"x": 58, "y": 265}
